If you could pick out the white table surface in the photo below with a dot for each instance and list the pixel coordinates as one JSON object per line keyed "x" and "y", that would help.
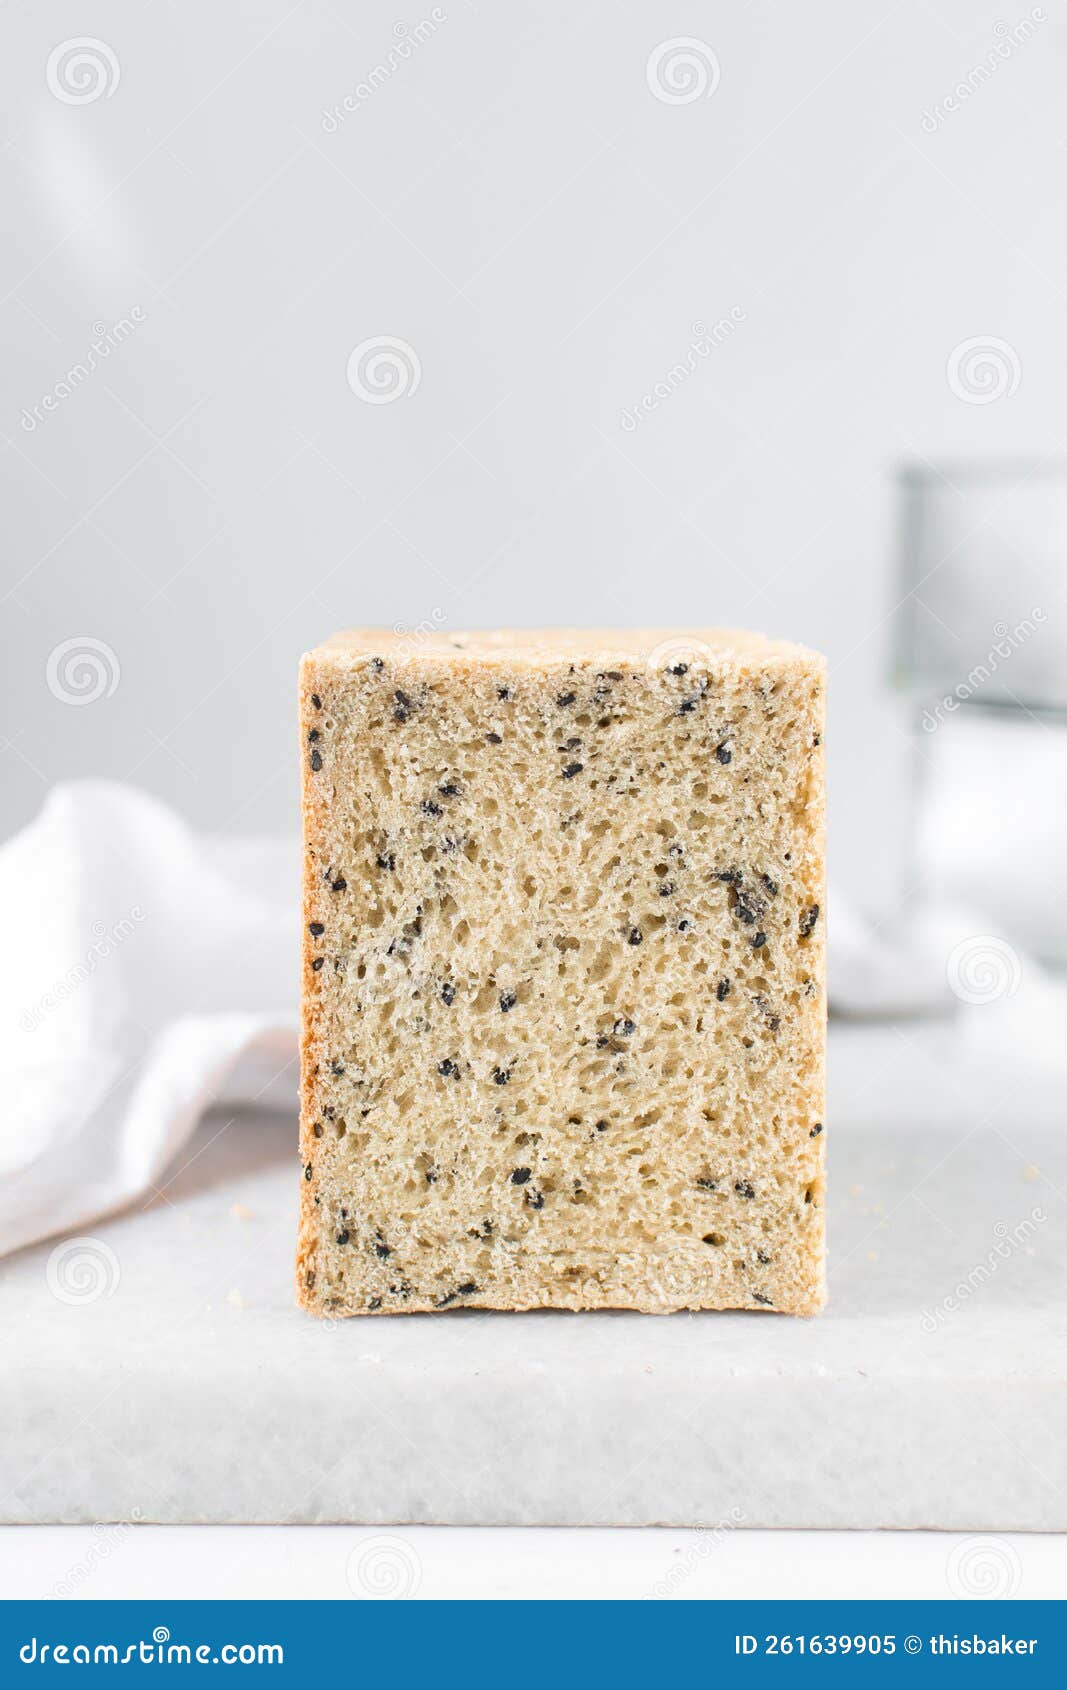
{"x": 449, "y": 1562}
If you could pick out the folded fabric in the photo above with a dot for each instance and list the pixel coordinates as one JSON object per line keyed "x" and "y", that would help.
{"x": 952, "y": 958}
{"x": 150, "y": 972}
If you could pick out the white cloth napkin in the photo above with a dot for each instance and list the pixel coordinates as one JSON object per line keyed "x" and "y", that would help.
{"x": 151, "y": 972}
{"x": 148, "y": 973}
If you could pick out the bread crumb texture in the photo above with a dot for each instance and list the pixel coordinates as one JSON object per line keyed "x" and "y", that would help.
{"x": 564, "y": 1008}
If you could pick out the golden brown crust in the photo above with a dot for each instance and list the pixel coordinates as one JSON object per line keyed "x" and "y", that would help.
{"x": 539, "y": 645}
{"x": 311, "y": 798}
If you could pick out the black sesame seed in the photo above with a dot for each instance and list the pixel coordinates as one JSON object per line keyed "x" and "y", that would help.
{"x": 316, "y": 701}
{"x": 519, "y": 1176}
{"x": 817, "y": 740}
{"x": 501, "y": 1076}
{"x": 375, "y": 1303}
{"x": 432, "y": 1174}
{"x": 758, "y": 941}
{"x": 533, "y": 1199}
{"x": 636, "y": 936}
{"x": 601, "y": 1126}
{"x": 429, "y": 808}
{"x": 807, "y": 921}
{"x": 336, "y": 1067}
{"x": 307, "y": 1173}
{"x": 758, "y": 1297}
{"x": 317, "y": 1129}
{"x": 315, "y": 928}
{"x": 706, "y": 1183}
{"x": 722, "y": 990}
{"x": 447, "y": 1068}
{"x": 386, "y": 860}
{"x": 508, "y": 1001}
{"x": 731, "y": 876}
{"x": 816, "y": 1130}
{"x": 443, "y": 1302}
{"x": 684, "y": 925}
{"x": 339, "y": 885}
{"x": 317, "y": 963}
{"x": 666, "y": 889}
{"x": 313, "y": 735}
{"x": 680, "y": 669}
{"x": 451, "y": 789}
{"x": 572, "y": 769}
{"x": 770, "y": 885}
{"x": 748, "y": 908}
{"x": 316, "y": 761}
{"x": 623, "y": 1028}
{"x": 495, "y": 739}
{"x": 403, "y": 706}
{"x": 343, "y": 1236}
{"x": 687, "y": 706}
{"x": 503, "y": 692}
{"x": 744, "y": 1188}
{"x": 467, "y": 1289}
{"x": 377, "y": 663}
{"x": 724, "y": 754}
{"x": 382, "y": 1251}
{"x": 448, "y": 993}
{"x": 564, "y": 699}
{"x": 762, "y": 1258}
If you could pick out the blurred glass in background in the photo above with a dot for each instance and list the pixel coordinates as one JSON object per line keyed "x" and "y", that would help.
{"x": 981, "y": 650}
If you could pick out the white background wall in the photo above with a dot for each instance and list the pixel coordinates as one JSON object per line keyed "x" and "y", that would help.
{"x": 515, "y": 203}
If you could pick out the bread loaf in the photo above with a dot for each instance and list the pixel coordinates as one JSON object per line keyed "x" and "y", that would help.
{"x": 563, "y": 991}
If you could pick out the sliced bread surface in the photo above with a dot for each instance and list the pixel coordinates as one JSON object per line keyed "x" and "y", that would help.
{"x": 564, "y": 1006}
